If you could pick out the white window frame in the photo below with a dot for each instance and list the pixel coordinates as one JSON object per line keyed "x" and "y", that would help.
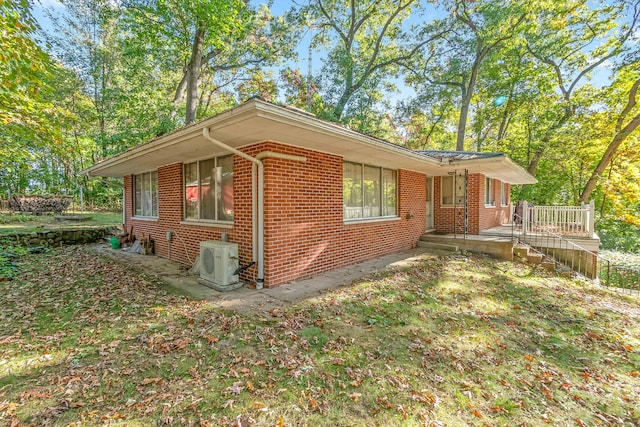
{"x": 504, "y": 200}
{"x": 489, "y": 201}
{"x": 453, "y": 192}
{"x": 381, "y": 171}
{"x": 146, "y": 176}
{"x": 223, "y": 222}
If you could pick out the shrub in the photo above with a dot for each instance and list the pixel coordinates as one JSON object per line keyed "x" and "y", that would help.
{"x": 616, "y": 234}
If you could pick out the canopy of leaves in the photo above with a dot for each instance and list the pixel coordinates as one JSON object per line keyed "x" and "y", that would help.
{"x": 425, "y": 75}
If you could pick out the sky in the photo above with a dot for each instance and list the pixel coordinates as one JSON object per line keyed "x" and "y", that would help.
{"x": 600, "y": 78}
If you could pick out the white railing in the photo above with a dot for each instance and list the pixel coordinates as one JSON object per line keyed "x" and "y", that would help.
{"x": 563, "y": 220}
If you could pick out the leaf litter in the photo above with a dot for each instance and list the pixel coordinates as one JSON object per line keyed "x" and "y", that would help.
{"x": 450, "y": 341}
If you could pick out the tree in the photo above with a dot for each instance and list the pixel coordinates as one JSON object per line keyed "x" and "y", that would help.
{"x": 479, "y": 29}
{"x": 24, "y": 67}
{"x": 621, "y": 132}
{"x": 31, "y": 122}
{"x": 366, "y": 44}
{"x": 573, "y": 41}
{"x": 202, "y": 39}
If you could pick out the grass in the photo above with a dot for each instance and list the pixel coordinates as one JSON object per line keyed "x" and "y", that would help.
{"x": 15, "y": 222}
{"x": 451, "y": 341}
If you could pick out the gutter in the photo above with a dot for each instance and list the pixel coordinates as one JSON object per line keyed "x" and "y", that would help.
{"x": 492, "y": 161}
{"x": 305, "y": 121}
{"x": 257, "y": 197}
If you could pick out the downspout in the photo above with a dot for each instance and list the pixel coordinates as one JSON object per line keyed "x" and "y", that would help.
{"x": 257, "y": 195}
{"x": 257, "y": 199}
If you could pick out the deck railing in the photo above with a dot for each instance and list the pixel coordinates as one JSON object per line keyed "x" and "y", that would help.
{"x": 582, "y": 261}
{"x": 562, "y": 220}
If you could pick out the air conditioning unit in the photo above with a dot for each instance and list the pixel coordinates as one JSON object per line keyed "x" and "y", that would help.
{"x": 218, "y": 263}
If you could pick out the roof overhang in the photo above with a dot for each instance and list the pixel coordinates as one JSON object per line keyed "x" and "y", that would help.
{"x": 258, "y": 121}
{"x": 497, "y": 167}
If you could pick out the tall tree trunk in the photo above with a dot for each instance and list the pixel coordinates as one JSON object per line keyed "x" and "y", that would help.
{"x": 462, "y": 122}
{"x": 342, "y": 102}
{"x": 347, "y": 93}
{"x": 467, "y": 94}
{"x": 532, "y": 168}
{"x": 620, "y": 135}
{"x": 607, "y": 156}
{"x": 193, "y": 75}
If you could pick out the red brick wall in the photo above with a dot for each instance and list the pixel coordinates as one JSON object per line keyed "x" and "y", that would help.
{"x": 304, "y": 230}
{"x": 479, "y": 217}
{"x": 494, "y": 215}
{"x": 186, "y": 240}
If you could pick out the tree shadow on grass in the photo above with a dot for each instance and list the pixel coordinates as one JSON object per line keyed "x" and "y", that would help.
{"x": 456, "y": 340}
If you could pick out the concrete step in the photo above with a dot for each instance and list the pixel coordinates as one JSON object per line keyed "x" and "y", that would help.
{"x": 521, "y": 251}
{"x": 437, "y": 246}
{"x": 534, "y": 258}
{"x": 548, "y": 265}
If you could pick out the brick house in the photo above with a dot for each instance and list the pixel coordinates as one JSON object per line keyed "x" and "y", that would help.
{"x": 300, "y": 195}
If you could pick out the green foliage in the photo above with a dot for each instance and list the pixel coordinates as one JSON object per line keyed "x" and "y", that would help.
{"x": 122, "y": 73}
{"x": 366, "y": 43}
{"x": 6, "y": 218}
{"x": 8, "y": 256}
{"x": 616, "y": 234}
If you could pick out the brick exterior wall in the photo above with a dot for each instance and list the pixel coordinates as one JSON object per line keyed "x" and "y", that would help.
{"x": 304, "y": 229}
{"x": 493, "y": 216}
{"x": 187, "y": 237}
{"x": 479, "y": 217}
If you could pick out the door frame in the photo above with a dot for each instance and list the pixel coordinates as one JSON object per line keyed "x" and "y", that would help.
{"x": 429, "y": 204}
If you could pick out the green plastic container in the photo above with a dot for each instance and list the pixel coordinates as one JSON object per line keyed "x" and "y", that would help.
{"x": 115, "y": 243}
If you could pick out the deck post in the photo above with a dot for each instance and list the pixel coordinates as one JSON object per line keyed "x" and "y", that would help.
{"x": 592, "y": 218}
{"x": 525, "y": 217}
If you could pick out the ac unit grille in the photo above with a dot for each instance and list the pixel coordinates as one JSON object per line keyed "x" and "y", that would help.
{"x": 208, "y": 261}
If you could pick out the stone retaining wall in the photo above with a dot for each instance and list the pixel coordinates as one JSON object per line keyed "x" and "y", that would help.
{"x": 51, "y": 238}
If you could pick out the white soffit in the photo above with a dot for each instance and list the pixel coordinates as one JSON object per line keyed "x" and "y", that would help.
{"x": 257, "y": 121}
{"x": 254, "y": 122}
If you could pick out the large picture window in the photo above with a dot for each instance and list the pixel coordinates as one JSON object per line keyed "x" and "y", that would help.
{"x": 145, "y": 198}
{"x": 368, "y": 191}
{"x": 449, "y": 192}
{"x": 209, "y": 189}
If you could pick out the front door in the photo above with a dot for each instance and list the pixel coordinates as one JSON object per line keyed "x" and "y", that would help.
{"x": 429, "y": 184}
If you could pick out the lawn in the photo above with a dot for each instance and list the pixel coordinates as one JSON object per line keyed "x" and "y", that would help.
{"x": 15, "y": 222}
{"x": 456, "y": 340}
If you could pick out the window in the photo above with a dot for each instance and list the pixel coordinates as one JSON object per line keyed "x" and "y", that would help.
{"x": 504, "y": 200}
{"x": 488, "y": 192}
{"x": 146, "y": 194}
{"x": 368, "y": 191}
{"x": 452, "y": 188}
{"x": 208, "y": 189}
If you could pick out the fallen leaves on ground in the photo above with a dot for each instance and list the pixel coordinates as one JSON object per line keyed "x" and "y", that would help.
{"x": 451, "y": 341}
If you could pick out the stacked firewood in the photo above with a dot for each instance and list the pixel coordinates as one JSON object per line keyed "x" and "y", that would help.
{"x": 126, "y": 237}
{"x": 39, "y": 204}
{"x": 146, "y": 244}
